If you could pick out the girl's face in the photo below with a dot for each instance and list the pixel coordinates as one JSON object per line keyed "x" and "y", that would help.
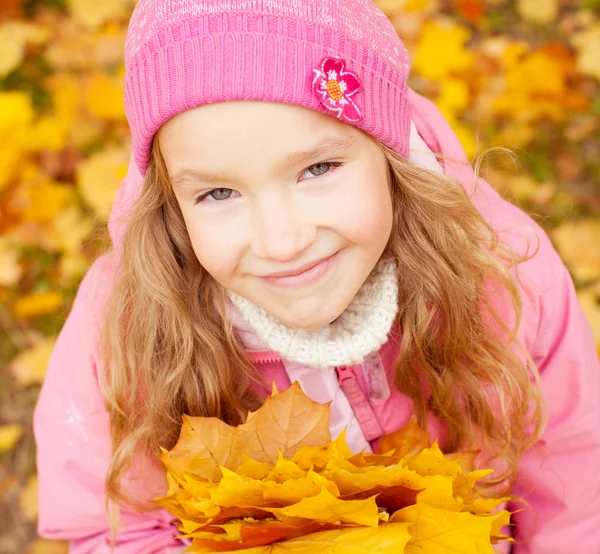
{"x": 286, "y": 207}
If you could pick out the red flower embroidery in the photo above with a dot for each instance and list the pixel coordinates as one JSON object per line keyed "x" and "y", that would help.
{"x": 335, "y": 87}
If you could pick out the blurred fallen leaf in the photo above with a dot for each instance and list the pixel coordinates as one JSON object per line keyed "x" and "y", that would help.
{"x": 71, "y": 46}
{"x": 14, "y": 37}
{"x": 11, "y": 8}
{"x": 539, "y": 12}
{"x": 44, "y": 546}
{"x": 70, "y": 227}
{"x": 99, "y": 177}
{"x": 518, "y": 188}
{"x": 28, "y": 499}
{"x": 9, "y": 484}
{"x": 108, "y": 46}
{"x": 435, "y": 63}
{"x": 72, "y": 266}
{"x": 577, "y": 243}
{"x": 9, "y": 436}
{"x": 50, "y": 132}
{"x": 589, "y": 298}
{"x": 29, "y": 367}
{"x": 588, "y": 47}
{"x": 41, "y": 200}
{"x": 454, "y": 97}
{"x": 581, "y": 126}
{"x": 37, "y": 303}
{"x": 416, "y": 5}
{"x": 13, "y": 52}
{"x": 10, "y": 269}
{"x": 92, "y": 15}
{"x": 472, "y": 10}
{"x": 105, "y": 97}
{"x": 535, "y": 88}
{"x": 17, "y": 117}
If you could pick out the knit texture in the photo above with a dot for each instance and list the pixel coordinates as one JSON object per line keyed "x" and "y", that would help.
{"x": 180, "y": 54}
{"x": 361, "y": 329}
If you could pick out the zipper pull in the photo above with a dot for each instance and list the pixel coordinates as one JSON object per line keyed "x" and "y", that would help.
{"x": 344, "y": 373}
{"x": 359, "y": 402}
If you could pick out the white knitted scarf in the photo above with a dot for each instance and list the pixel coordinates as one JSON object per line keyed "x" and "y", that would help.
{"x": 361, "y": 329}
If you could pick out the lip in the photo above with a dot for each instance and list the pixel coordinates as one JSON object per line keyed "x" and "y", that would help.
{"x": 304, "y": 275}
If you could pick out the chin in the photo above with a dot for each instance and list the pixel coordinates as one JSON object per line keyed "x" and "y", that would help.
{"x": 310, "y": 319}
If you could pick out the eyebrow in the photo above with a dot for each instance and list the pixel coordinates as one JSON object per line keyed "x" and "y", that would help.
{"x": 325, "y": 149}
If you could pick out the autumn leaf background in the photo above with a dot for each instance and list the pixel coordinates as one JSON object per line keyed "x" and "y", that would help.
{"x": 521, "y": 74}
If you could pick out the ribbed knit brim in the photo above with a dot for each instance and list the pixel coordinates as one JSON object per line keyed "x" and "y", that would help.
{"x": 181, "y": 54}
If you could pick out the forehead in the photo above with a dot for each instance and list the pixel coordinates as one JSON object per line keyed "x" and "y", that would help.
{"x": 219, "y": 134}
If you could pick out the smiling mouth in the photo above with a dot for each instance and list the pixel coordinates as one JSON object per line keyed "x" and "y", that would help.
{"x": 304, "y": 275}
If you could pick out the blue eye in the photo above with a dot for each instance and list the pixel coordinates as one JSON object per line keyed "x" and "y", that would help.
{"x": 323, "y": 168}
{"x": 220, "y": 194}
{"x": 217, "y": 195}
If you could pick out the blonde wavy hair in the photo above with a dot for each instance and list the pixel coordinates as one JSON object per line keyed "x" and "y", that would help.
{"x": 167, "y": 351}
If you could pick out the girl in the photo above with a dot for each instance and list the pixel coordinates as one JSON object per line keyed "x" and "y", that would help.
{"x": 284, "y": 219}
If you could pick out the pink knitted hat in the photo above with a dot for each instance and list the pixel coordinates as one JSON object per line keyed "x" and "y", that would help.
{"x": 340, "y": 57}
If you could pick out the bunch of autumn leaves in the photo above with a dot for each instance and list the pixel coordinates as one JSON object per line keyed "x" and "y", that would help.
{"x": 277, "y": 483}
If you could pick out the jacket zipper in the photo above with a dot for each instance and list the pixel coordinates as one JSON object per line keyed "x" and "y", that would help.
{"x": 267, "y": 357}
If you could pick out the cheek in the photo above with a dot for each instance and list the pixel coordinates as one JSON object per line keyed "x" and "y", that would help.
{"x": 217, "y": 248}
{"x": 367, "y": 212}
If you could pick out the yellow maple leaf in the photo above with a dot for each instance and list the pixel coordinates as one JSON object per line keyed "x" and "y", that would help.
{"x": 294, "y": 490}
{"x": 390, "y": 539}
{"x": 319, "y": 456}
{"x": 226, "y": 500}
{"x": 410, "y": 439}
{"x": 437, "y": 531}
{"x": 326, "y": 508}
{"x": 284, "y": 424}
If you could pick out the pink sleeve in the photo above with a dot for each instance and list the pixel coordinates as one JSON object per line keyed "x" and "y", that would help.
{"x": 73, "y": 443}
{"x": 561, "y": 478}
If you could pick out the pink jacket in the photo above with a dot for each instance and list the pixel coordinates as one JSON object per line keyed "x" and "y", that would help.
{"x": 560, "y": 478}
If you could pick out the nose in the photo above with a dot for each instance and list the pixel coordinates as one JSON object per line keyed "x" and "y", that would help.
{"x": 281, "y": 230}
